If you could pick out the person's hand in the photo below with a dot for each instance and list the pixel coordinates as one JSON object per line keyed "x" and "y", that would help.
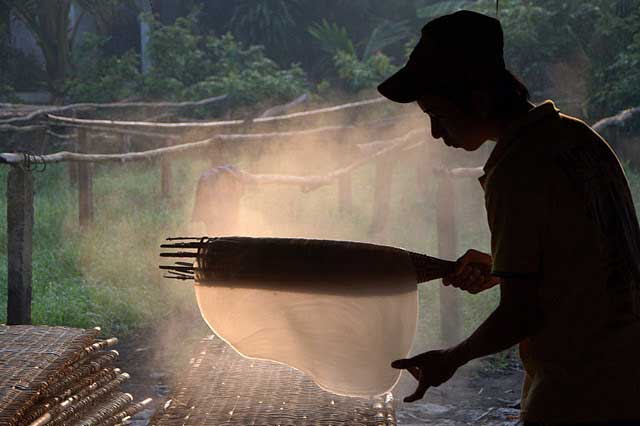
{"x": 472, "y": 273}
{"x": 431, "y": 368}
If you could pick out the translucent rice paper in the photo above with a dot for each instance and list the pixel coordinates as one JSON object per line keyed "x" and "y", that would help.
{"x": 344, "y": 335}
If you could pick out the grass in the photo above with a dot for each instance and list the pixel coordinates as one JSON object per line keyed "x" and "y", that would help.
{"x": 107, "y": 276}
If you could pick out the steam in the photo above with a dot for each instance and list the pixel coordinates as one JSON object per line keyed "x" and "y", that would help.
{"x": 121, "y": 249}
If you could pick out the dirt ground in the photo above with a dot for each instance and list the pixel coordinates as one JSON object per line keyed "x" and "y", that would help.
{"x": 485, "y": 392}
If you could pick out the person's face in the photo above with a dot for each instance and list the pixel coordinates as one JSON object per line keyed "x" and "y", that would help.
{"x": 457, "y": 127}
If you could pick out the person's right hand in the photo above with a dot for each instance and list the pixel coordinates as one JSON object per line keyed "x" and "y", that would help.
{"x": 472, "y": 273}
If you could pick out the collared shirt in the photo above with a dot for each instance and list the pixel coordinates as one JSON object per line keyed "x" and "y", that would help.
{"x": 560, "y": 211}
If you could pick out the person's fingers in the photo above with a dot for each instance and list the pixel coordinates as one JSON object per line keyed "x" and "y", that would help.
{"x": 475, "y": 290}
{"x": 487, "y": 283}
{"x": 459, "y": 266}
{"x": 465, "y": 274}
{"x": 478, "y": 279}
{"x": 403, "y": 364}
{"x": 419, "y": 393}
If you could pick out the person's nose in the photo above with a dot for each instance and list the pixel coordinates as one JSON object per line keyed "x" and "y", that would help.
{"x": 436, "y": 128}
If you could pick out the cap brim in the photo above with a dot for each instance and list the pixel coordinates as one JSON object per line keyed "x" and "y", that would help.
{"x": 402, "y": 87}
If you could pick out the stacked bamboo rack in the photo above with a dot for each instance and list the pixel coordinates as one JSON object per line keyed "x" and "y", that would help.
{"x": 59, "y": 376}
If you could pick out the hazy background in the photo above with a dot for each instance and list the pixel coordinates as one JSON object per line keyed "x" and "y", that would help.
{"x": 583, "y": 54}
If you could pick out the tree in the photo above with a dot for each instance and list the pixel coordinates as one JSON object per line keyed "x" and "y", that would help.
{"x": 48, "y": 21}
{"x": 359, "y": 65}
{"x": 105, "y": 12}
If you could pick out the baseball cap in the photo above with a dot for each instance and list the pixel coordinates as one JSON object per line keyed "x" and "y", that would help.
{"x": 462, "y": 48}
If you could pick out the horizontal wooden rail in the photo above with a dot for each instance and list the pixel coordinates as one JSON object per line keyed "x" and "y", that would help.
{"x": 106, "y": 130}
{"x": 387, "y": 122}
{"x": 311, "y": 181}
{"x": 619, "y": 120}
{"x": 11, "y": 128}
{"x": 57, "y": 109}
{"x": 209, "y": 124}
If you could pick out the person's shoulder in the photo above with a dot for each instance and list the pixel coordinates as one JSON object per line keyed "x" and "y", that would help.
{"x": 576, "y": 126}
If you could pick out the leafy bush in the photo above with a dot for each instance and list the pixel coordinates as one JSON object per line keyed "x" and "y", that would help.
{"x": 616, "y": 83}
{"x": 585, "y": 51}
{"x": 358, "y": 75}
{"x": 176, "y": 57}
{"x": 98, "y": 77}
{"x": 247, "y": 75}
{"x": 188, "y": 65}
{"x": 7, "y": 93}
{"x": 353, "y": 73}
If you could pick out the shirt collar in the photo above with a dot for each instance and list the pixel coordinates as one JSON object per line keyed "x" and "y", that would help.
{"x": 540, "y": 112}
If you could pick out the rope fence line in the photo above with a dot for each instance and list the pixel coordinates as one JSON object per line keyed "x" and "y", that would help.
{"x": 57, "y": 109}
{"x": 211, "y": 124}
{"x": 15, "y": 158}
{"x": 100, "y": 129}
{"x": 12, "y": 128}
{"x": 20, "y": 158}
{"x": 313, "y": 182}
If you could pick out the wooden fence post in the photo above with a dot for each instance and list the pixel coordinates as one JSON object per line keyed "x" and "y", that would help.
{"x": 19, "y": 244}
{"x": 85, "y": 183}
{"x": 382, "y": 196}
{"x": 71, "y": 165}
{"x": 450, "y": 312}
{"x": 165, "y": 177}
{"x": 423, "y": 172}
{"x": 73, "y": 169}
{"x": 343, "y": 156}
{"x": 345, "y": 193}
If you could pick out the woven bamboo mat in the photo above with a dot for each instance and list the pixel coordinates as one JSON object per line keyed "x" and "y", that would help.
{"x": 30, "y": 357}
{"x": 223, "y": 388}
{"x": 60, "y": 376}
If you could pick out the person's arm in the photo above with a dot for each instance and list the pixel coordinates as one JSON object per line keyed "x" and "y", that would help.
{"x": 517, "y": 316}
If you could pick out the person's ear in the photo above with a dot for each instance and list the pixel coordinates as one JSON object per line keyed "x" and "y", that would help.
{"x": 481, "y": 103}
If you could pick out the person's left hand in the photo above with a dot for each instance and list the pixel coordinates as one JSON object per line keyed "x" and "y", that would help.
{"x": 431, "y": 368}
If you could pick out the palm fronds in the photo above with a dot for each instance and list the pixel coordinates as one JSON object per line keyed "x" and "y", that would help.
{"x": 332, "y": 38}
{"x": 385, "y": 34}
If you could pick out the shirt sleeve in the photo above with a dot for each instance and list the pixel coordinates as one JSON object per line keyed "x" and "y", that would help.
{"x": 517, "y": 210}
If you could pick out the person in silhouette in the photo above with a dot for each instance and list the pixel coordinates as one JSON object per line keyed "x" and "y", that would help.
{"x": 565, "y": 241}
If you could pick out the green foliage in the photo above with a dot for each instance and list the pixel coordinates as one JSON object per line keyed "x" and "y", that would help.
{"x": 358, "y": 75}
{"x": 7, "y": 93}
{"x": 385, "y": 34}
{"x": 266, "y": 23}
{"x": 582, "y": 53}
{"x": 247, "y": 74}
{"x": 106, "y": 276}
{"x": 189, "y": 65}
{"x": 177, "y": 58}
{"x": 98, "y": 77}
{"x": 616, "y": 83}
{"x": 332, "y": 38}
{"x": 355, "y": 74}
{"x": 585, "y": 54}
{"x": 48, "y": 21}
{"x": 535, "y": 38}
